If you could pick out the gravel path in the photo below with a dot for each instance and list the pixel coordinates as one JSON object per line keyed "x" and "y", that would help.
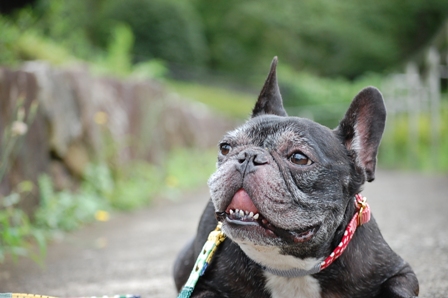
{"x": 134, "y": 252}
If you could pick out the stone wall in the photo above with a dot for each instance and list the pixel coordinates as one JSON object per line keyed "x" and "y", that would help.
{"x": 81, "y": 118}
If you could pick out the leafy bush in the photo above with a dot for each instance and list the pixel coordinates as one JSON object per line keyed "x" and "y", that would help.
{"x": 16, "y": 231}
{"x": 332, "y": 38}
{"x": 10, "y": 34}
{"x": 168, "y": 30}
{"x": 18, "y": 43}
{"x": 70, "y": 24}
{"x": 65, "y": 210}
{"x": 117, "y": 60}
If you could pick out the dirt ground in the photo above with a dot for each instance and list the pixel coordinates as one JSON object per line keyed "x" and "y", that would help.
{"x": 133, "y": 253}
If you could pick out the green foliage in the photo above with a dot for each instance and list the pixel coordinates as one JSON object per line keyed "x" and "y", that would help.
{"x": 65, "y": 210}
{"x": 330, "y": 38}
{"x": 22, "y": 39}
{"x": 135, "y": 185}
{"x": 416, "y": 150}
{"x": 8, "y": 54}
{"x": 54, "y": 32}
{"x": 22, "y": 44}
{"x": 322, "y": 99}
{"x": 189, "y": 168}
{"x": 32, "y": 46}
{"x": 16, "y": 231}
{"x": 168, "y": 30}
{"x": 118, "y": 60}
{"x": 326, "y": 37}
{"x": 222, "y": 100}
{"x": 100, "y": 192}
{"x": 69, "y": 24}
{"x": 154, "y": 68}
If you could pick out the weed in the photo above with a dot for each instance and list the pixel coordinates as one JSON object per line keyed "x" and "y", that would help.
{"x": 16, "y": 230}
{"x": 223, "y": 101}
{"x": 189, "y": 168}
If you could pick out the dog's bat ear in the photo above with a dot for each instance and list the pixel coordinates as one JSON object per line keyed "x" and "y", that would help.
{"x": 270, "y": 100}
{"x": 362, "y": 128}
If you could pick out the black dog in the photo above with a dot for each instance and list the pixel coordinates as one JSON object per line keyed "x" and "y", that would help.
{"x": 284, "y": 191}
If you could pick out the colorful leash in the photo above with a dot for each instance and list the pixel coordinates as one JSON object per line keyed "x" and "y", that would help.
{"x": 215, "y": 238}
{"x": 21, "y": 295}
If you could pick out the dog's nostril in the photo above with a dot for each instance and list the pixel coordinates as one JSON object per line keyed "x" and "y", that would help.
{"x": 242, "y": 157}
{"x": 255, "y": 157}
{"x": 260, "y": 159}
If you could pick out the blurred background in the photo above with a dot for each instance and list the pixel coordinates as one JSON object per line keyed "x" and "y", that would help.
{"x": 107, "y": 104}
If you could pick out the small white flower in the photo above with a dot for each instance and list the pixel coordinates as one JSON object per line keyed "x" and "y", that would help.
{"x": 19, "y": 128}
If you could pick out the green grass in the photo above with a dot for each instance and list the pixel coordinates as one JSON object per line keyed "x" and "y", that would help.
{"x": 189, "y": 168}
{"x": 224, "y": 101}
{"x": 418, "y": 150}
{"x": 32, "y": 46}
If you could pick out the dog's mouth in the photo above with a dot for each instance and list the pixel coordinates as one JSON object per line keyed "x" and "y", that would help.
{"x": 242, "y": 213}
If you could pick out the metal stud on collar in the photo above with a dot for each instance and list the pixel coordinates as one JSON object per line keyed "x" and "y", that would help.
{"x": 364, "y": 209}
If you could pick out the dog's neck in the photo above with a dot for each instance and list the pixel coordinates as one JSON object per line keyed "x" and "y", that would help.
{"x": 271, "y": 260}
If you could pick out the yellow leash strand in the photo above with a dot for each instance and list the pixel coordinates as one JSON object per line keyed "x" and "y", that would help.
{"x": 215, "y": 238}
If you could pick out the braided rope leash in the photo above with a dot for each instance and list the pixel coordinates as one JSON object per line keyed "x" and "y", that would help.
{"x": 22, "y": 295}
{"x": 215, "y": 238}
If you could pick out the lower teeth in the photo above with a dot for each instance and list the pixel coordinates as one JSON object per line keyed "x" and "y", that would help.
{"x": 242, "y": 215}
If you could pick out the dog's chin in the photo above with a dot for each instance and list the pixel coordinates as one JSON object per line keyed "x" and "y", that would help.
{"x": 246, "y": 234}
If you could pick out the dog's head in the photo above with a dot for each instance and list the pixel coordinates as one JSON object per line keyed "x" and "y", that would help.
{"x": 287, "y": 181}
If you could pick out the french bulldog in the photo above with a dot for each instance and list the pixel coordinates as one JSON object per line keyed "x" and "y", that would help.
{"x": 284, "y": 191}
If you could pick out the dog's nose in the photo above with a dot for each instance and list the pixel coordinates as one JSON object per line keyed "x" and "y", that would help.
{"x": 251, "y": 158}
{"x": 257, "y": 157}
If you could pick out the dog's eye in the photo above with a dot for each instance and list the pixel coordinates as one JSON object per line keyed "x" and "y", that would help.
{"x": 225, "y": 148}
{"x": 300, "y": 159}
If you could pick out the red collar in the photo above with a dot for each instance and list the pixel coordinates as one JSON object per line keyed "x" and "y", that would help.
{"x": 361, "y": 217}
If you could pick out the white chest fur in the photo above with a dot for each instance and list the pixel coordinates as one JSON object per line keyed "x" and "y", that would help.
{"x": 284, "y": 287}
